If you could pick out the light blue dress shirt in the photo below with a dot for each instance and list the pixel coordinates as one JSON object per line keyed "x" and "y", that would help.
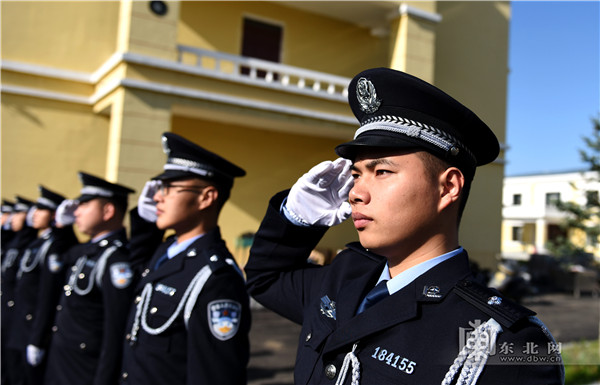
{"x": 177, "y": 248}
{"x": 403, "y": 279}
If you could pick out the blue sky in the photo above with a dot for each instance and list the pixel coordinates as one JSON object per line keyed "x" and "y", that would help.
{"x": 553, "y": 84}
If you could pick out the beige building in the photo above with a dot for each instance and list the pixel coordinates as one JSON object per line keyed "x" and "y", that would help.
{"x": 91, "y": 85}
{"x": 529, "y": 217}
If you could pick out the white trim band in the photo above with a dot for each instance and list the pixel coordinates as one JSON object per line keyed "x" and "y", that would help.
{"x": 47, "y": 202}
{"x": 414, "y": 129}
{"x": 95, "y": 190}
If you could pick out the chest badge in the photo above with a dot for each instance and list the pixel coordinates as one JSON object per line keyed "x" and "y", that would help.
{"x": 328, "y": 307}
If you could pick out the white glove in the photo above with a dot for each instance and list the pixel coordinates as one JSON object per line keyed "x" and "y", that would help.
{"x": 65, "y": 213}
{"x": 29, "y": 217}
{"x": 146, "y": 204}
{"x": 320, "y": 197}
{"x": 34, "y": 355}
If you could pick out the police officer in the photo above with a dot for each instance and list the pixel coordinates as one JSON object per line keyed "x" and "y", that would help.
{"x": 7, "y": 233}
{"x": 24, "y": 234}
{"x": 86, "y": 343}
{"x": 190, "y": 320}
{"x": 401, "y": 305}
{"x": 35, "y": 291}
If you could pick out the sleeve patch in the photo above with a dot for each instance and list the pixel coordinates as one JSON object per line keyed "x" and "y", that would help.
{"x": 224, "y": 318}
{"x": 121, "y": 275}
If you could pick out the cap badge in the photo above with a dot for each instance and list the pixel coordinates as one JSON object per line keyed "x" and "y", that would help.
{"x": 367, "y": 96}
{"x": 165, "y": 145}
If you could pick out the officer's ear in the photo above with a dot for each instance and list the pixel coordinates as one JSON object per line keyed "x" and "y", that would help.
{"x": 108, "y": 211}
{"x": 208, "y": 197}
{"x": 451, "y": 185}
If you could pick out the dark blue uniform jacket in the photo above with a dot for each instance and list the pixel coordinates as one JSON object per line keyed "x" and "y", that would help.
{"x": 176, "y": 353}
{"x": 90, "y": 318}
{"x": 411, "y": 337}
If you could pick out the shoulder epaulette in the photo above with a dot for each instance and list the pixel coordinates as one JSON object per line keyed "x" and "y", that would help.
{"x": 491, "y": 302}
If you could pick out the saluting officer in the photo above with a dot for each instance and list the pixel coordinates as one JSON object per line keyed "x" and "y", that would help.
{"x": 24, "y": 234}
{"x": 191, "y": 317}
{"x": 401, "y": 306}
{"x": 33, "y": 289}
{"x": 90, "y": 319}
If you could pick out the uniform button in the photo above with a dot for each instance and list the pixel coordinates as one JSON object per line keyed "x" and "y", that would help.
{"x": 145, "y": 272}
{"x": 82, "y": 345}
{"x": 58, "y": 307}
{"x": 81, "y": 276}
{"x": 10, "y": 303}
{"x": 28, "y": 317}
{"x": 54, "y": 328}
{"x": 128, "y": 337}
{"x": 138, "y": 299}
{"x": 330, "y": 371}
{"x": 153, "y": 310}
{"x": 74, "y": 268}
{"x": 308, "y": 337}
{"x": 124, "y": 375}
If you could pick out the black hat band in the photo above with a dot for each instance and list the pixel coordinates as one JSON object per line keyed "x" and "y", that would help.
{"x": 94, "y": 190}
{"x": 186, "y": 165}
{"x": 414, "y": 129}
{"x": 46, "y": 202}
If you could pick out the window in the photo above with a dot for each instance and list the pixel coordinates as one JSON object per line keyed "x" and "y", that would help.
{"x": 517, "y": 233}
{"x": 262, "y": 41}
{"x": 552, "y": 199}
{"x": 516, "y": 200}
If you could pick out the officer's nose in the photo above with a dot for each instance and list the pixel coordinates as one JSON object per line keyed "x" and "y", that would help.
{"x": 359, "y": 193}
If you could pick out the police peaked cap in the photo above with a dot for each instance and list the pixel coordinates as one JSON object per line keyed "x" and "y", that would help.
{"x": 94, "y": 187}
{"x": 48, "y": 200}
{"x": 186, "y": 159}
{"x": 397, "y": 110}
{"x": 7, "y": 206}
{"x": 22, "y": 204}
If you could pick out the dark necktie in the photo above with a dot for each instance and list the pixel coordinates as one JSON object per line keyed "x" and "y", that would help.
{"x": 378, "y": 293}
{"x": 161, "y": 260}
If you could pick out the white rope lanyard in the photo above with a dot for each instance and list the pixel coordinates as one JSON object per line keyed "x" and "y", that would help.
{"x": 9, "y": 260}
{"x": 39, "y": 256}
{"x": 95, "y": 275}
{"x": 473, "y": 356}
{"x": 76, "y": 270}
{"x": 350, "y": 358}
{"x": 196, "y": 285}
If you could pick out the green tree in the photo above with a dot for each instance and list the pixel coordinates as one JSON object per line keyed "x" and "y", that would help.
{"x": 585, "y": 218}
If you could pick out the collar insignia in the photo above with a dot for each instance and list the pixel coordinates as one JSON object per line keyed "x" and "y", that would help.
{"x": 328, "y": 307}
{"x": 432, "y": 291}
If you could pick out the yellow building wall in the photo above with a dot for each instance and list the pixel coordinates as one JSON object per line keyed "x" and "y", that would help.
{"x": 309, "y": 40}
{"x": 47, "y": 142}
{"x": 43, "y": 142}
{"x": 75, "y": 35}
{"x": 473, "y": 68}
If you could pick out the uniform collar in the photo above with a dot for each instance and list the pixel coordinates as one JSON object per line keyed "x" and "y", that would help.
{"x": 401, "y": 280}
{"x": 176, "y": 247}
